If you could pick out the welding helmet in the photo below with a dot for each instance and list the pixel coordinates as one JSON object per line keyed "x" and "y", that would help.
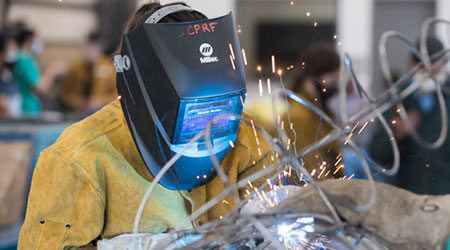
{"x": 173, "y": 79}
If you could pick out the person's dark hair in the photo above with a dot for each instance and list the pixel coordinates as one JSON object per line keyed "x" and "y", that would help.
{"x": 433, "y": 46}
{"x": 95, "y": 37}
{"x": 146, "y": 10}
{"x": 316, "y": 61}
{"x": 2, "y": 42}
{"x": 23, "y": 36}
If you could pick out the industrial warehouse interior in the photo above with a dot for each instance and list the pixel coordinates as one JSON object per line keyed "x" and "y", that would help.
{"x": 224, "y": 124}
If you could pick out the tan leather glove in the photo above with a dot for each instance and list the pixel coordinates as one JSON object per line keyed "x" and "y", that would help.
{"x": 401, "y": 219}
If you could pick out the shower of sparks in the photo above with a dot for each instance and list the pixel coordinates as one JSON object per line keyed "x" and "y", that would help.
{"x": 242, "y": 101}
{"x": 338, "y": 161}
{"x": 363, "y": 127}
{"x": 273, "y": 64}
{"x": 232, "y": 62}
{"x": 260, "y": 86}
{"x": 244, "y": 57}
{"x": 232, "y": 51}
{"x": 321, "y": 172}
{"x": 339, "y": 168}
{"x": 269, "y": 88}
{"x": 350, "y": 135}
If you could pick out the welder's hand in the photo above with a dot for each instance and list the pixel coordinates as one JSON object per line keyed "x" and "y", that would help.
{"x": 401, "y": 219}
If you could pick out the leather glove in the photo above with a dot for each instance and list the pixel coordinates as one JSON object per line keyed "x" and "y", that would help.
{"x": 401, "y": 219}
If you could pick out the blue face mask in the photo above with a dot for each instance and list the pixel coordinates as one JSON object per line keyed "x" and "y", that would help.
{"x": 426, "y": 101}
{"x": 37, "y": 47}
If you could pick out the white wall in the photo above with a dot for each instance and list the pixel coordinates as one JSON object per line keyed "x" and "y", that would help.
{"x": 55, "y": 24}
{"x": 251, "y": 12}
{"x": 355, "y": 32}
{"x": 443, "y": 11}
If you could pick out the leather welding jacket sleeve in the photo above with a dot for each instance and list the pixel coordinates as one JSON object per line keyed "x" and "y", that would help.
{"x": 89, "y": 185}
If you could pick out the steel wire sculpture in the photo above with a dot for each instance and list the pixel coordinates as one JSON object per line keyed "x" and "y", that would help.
{"x": 268, "y": 230}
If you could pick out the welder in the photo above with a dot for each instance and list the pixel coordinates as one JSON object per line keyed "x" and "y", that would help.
{"x": 176, "y": 72}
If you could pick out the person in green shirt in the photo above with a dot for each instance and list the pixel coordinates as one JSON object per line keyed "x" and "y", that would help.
{"x": 27, "y": 73}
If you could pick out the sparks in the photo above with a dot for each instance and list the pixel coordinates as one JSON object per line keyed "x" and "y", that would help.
{"x": 363, "y": 127}
{"x": 308, "y": 13}
{"x": 269, "y": 88}
{"x": 273, "y": 64}
{"x": 232, "y": 62}
{"x": 339, "y": 168}
{"x": 232, "y": 51}
{"x": 244, "y": 57}
{"x": 261, "y": 90}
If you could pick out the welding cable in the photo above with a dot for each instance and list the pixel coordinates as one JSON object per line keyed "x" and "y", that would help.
{"x": 155, "y": 182}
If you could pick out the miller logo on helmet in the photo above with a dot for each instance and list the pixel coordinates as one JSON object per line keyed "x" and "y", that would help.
{"x": 207, "y": 50}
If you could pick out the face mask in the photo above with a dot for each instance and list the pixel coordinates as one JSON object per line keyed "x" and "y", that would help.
{"x": 174, "y": 79}
{"x": 11, "y": 56}
{"x": 37, "y": 47}
{"x": 427, "y": 84}
{"x": 10, "y": 59}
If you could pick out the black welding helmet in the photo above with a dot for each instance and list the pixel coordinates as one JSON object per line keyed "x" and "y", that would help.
{"x": 175, "y": 78}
